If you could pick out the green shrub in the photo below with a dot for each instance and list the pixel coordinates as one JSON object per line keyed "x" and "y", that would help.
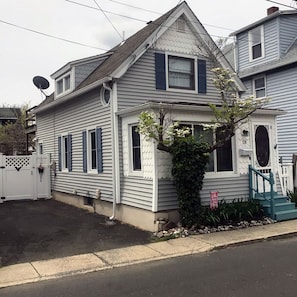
{"x": 230, "y": 213}
{"x": 293, "y": 197}
{"x": 189, "y": 159}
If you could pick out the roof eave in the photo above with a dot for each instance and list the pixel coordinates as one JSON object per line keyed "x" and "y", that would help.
{"x": 72, "y": 95}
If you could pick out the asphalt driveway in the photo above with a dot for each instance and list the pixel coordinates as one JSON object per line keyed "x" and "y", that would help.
{"x": 46, "y": 229}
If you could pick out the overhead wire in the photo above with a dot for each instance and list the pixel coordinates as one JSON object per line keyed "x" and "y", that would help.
{"x": 51, "y": 36}
{"x": 109, "y": 20}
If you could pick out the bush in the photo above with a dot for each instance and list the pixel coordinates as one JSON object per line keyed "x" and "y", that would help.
{"x": 230, "y": 213}
{"x": 293, "y": 197}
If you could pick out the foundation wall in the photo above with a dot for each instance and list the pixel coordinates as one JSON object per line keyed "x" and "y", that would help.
{"x": 140, "y": 218}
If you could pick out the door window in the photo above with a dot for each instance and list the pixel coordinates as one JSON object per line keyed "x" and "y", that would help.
{"x": 262, "y": 146}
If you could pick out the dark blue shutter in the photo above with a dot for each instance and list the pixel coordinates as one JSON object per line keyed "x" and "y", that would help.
{"x": 201, "y": 76}
{"x": 160, "y": 71}
{"x": 69, "y": 141}
{"x": 59, "y": 154}
{"x": 99, "y": 150}
{"x": 84, "y": 147}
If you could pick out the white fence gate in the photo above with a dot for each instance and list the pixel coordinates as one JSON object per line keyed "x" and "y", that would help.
{"x": 24, "y": 177}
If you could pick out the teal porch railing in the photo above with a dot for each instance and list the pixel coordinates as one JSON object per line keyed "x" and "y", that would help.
{"x": 255, "y": 179}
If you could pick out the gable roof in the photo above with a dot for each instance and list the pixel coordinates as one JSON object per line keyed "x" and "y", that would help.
{"x": 264, "y": 20}
{"x": 122, "y": 56}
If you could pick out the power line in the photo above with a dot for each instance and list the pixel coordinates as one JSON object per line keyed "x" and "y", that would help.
{"x": 107, "y": 11}
{"x": 144, "y": 21}
{"x": 51, "y": 36}
{"x": 133, "y": 6}
{"x": 275, "y": 2}
{"x": 109, "y": 20}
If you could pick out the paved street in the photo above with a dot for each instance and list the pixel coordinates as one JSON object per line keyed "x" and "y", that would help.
{"x": 260, "y": 269}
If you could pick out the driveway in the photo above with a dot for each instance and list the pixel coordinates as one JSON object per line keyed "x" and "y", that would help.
{"x": 46, "y": 229}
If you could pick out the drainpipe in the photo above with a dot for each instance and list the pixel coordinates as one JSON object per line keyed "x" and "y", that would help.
{"x": 115, "y": 149}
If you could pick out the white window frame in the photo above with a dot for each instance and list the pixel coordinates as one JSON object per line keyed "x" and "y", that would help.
{"x": 130, "y": 147}
{"x": 63, "y": 79}
{"x": 251, "y": 45}
{"x": 258, "y": 89}
{"x": 90, "y": 130}
{"x": 177, "y": 89}
{"x": 40, "y": 149}
{"x": 64, "y": 157}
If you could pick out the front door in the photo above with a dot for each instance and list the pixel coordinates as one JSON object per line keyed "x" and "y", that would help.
{"x": 262, "y": 153}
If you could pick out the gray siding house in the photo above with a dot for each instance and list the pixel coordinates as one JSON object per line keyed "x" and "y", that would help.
{"x": 88, "y": 123}
{"x": 266, "y": 62}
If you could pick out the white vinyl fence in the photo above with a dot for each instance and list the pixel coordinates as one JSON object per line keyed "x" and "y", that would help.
{"x": 24, "y": 177}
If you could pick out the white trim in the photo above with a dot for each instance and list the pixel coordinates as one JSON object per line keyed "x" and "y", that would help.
{"x": 251, "y": 45}
{"x": 130, "y": 152}
{"x": 62, "y": 78}
{"x": 88, "y": 143}
{"x": 63, "y": 159}
{"x": 155, "y": 181}
{"x": 254, "y": 88}
{"x": 185, "y": 56}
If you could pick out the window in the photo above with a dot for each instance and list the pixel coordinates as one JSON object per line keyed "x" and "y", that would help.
{"x": 65, "y": 152}
{"x": 259, "y": 87}
{"x": 105, "y": 96}
{"x": 256, "y": 37}
{"x": 136, "y": 149}
{"x": 92, "y": 150}
{"x": 63, "y": 85}
{"x": 221, "y": 159}
{"x": 180, "y": 73}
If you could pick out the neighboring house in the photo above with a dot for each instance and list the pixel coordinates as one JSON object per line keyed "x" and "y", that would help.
{"x": 9, "y": 115}
{"x": 88, "y": 123}
{"x": 266, "y": 62}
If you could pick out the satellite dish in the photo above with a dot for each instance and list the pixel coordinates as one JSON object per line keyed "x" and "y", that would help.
{"x": 41, "y": 83}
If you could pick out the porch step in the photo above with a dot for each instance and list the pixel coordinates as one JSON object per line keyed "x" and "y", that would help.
{"x": 278, "y": 206}
{"x": 283, "y": 208}
{"x": 286, "y": 215}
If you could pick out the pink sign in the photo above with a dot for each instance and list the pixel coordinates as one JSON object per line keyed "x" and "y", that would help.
{"x": 214, "y": 199}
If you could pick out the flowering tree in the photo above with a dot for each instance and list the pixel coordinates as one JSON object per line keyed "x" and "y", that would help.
{"x": 189, "y": 155}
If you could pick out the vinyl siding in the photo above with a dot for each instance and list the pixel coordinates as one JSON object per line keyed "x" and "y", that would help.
{"x": 287, "y": 32}
{"x": 73, "y": 118}
{"x": 229, "y": 188}
{"x": 138, "y": 86}
{"x": 137, "y": 192}
{"x": 282, "y": 89}
{"x": 271, "y": 46}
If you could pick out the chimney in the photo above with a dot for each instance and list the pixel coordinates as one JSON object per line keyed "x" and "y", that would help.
{"x": 272, "y": 9}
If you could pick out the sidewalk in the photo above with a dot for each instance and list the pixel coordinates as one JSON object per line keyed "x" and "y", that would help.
{"x": 56, "y": 268}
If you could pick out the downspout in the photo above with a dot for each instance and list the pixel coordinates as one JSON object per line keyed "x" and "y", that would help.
{"x": 115, "y": 149}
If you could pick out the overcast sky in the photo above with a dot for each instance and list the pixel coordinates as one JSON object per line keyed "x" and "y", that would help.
{"x": 24, "y": 53}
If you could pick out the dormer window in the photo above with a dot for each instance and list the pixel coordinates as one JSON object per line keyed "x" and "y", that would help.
{"x": 256, "y": 42}
{"x": 63, "y": 84}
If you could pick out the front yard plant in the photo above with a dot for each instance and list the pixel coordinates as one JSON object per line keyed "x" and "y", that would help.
{"x": 230, "y": 213}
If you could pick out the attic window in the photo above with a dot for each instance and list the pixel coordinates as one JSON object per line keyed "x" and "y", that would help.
{"x": 181, "y": 25}
{"x": 63, "y": 84}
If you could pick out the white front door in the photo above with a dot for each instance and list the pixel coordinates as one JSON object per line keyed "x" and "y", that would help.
{"x": 263, "y": 153}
